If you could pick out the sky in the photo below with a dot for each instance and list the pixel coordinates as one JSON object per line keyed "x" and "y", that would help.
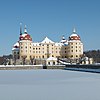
{"x": 51, "y": 18}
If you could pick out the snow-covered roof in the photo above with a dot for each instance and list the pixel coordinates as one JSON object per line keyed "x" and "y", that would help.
{"x": 36, "y": 44}
{"x": 16, "y": 44}
{"x": 52, "y": 58}
{"x": 73, "y": 35}
{"x": 58, "y": 44}
{"x": 15, "y": 49}
{"x": 47, "y": 40}
{"x": 63, "y": 40}
{"x": 23, "y": 35}
{"x": 74, "y": 41}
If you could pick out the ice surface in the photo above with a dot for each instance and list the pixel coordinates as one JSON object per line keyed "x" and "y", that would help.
{"x": 49, "y": 85}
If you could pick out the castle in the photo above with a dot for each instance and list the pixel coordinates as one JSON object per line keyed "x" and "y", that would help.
{"x": 24, "y": 51}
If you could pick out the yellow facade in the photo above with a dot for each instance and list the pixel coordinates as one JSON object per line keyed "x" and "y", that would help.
{"x": 72, "y": 48}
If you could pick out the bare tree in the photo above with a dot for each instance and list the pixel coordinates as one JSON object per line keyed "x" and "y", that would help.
{"x": 31, "y": 60}
{"x": 24, "y": 59}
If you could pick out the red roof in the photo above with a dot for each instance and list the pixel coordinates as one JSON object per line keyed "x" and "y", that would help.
{"x": 25, "y": 37}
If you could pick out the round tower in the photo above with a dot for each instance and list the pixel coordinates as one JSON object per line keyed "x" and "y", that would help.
{"x": 25, "y": 44}
{"x": 75, "y": 46}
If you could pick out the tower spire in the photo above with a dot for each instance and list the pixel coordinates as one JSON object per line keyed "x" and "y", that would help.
{"x": 20, "y": 28}
{"x": 74, "y": 30}
{"x": 25, "y": 30}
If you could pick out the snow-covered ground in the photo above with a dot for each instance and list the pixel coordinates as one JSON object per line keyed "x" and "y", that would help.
{"x": 49, "y": 85}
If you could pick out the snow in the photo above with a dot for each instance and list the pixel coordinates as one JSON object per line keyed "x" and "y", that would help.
{"x": 16, "y": 49}
{"x": 58, "y": 44}
{"x": 16, "y": 44}
{"x": 36, "y": 44}
{"x": 49, "y": 85}
{"x": 23, "y": 35}
{"x": 47, "y": 40}
{"x": 74, "y": 35}
{"x": 52, "y": 58}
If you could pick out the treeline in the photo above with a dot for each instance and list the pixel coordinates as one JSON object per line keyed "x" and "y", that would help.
{"x": 95, "y": 54}
{"x": 5, "y": 57}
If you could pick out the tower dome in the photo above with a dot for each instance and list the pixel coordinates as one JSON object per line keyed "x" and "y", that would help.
{"x": 63, "y": 40}
{"x": 16, "y": 46}
{"x": 74, "y": 35}
{"x": 25, "y": 36}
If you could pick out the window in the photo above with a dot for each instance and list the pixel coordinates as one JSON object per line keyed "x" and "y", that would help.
{"x": 76, "y": 50}
{"x": 76, "y": 46}
{"x": 71, "y": 55}
{"x": 21, "y": 43}
{"x": 42, "y": 56}
{"x": 53, "y": 63}
{"x": 76, "y": 55}
{"x": 71, "y": 50}
{"x": 71, "y": 46}
{"x": 71, "y": 43}
{"x": 65, "y": 51}
{"x": 33, "y": 48}
{"x": 26, "y": 47}
{"x": 48, "y": 63}
{"x": 52, "y": 55}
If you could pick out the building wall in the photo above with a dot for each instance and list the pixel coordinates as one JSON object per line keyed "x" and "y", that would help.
{"x": 25, "y": 49}
{"x": 46, "y": 50}
{"x": 49, "y": 50}
{"x": 75, "y": 49}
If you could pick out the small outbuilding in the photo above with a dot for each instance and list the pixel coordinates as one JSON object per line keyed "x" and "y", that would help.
{"x": 51, "y": 61}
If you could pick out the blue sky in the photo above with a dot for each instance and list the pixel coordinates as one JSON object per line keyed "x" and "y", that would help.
{"x": 52, "y": 18}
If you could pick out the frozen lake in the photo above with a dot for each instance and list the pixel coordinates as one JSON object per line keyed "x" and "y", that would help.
{"x": 49, "y": 85}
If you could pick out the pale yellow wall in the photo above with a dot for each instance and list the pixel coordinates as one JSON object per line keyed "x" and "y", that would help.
{"x": 75, "y": 49}
{"x": 25, "y": 49}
